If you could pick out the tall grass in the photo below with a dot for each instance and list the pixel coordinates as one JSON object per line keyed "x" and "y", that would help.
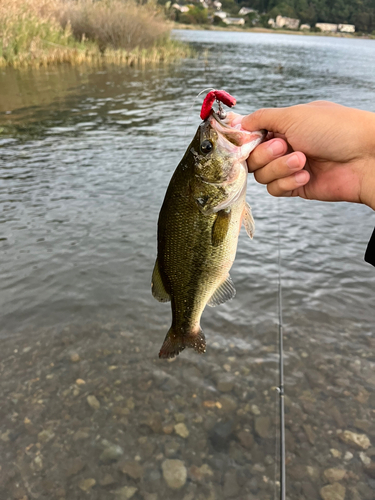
{"x": 43, "y": 32}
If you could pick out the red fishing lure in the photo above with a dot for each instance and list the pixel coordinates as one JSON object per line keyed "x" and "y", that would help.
{"x": 218, "y": 95}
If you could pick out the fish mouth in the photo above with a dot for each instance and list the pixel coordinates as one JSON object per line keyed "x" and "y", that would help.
{"x": 230, "y": 128}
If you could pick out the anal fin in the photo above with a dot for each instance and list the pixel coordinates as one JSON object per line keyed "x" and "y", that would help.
{"x": 248, "y": 220}
{"x": 157, "y": 287}
{"x": 224, "y": 292}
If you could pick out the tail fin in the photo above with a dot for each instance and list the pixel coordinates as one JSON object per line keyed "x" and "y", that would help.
{"x": 175, "y": 342}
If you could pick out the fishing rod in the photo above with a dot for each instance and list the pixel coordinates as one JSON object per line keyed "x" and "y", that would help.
{"x": 281, "y": 371}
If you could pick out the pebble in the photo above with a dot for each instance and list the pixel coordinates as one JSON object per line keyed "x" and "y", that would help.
{"x": 132, "y": 469}
{"x": 87, "y": 484}
{"x": 80, "y": 435}
{"x": 107, "y": 480}
{"x": 220, "y": 435}
{"x": 111, "y": 453}
{"x": 45, "y": 436}
{"x": 364, "y": 458}
{"x": 370, "y": 469}
{"x": 74, "y": 357}
{"x": 79, "y": 381}
{"x": 172, "y": 448}
{"x": 38, "y": 463}
{"x": 262, "y": 426}
{"x": 333, "y": 491}
{"x": 126, "y": 492}
{"x": 228, "y": 404}
{"x": 335, "y": 453}
{"x": 225, "y": 383}
{"x": 246, "y": 439}
{"x": 181, "y": 430}
{"x": 93, "y": 402}
{"x": 174, "y": 473}
{"x": 200, "y": 473}
{"x": 358, "y": 440}
{"x": 5, "y": 436}
{"x": 309, "y": 433}
{"x": 74, "y": 466}
{"x": 334, "y": 475}
{"x": 255, "y": 410}
{"x": 231, "y": 487}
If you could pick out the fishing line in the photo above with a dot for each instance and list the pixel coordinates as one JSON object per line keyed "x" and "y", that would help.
{"x": 280, "y": 389}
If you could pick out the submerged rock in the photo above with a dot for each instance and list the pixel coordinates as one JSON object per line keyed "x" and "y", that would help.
{"x": 333, "y": 491}
{"x": 126, "y": 492}
{"x": 111, "y": 453}
{"x": 174, "y": 473}
{"x": 93, "y": 402}
{"x": 358, "y": 440}
{"x": 262, "y": 426}
{"x": 87, "y": 484}
{"x": 334, "y": 475}
{"x": 181, "y": 430}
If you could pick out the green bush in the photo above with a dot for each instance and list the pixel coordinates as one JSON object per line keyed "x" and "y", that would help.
{"x": 196, "y": 15}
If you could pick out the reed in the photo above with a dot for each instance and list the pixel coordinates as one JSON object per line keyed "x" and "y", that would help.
{"x": 45, "y": 32}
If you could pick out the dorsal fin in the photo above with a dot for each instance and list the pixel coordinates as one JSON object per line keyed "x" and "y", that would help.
{"x": 224, "y": 292}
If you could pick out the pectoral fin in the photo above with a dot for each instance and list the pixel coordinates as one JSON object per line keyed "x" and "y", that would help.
{"x": 248, "y": 220}
{"x": 157, "y": 286}
{"x": 220, "y": 227}
{"x": 224, "y": 292}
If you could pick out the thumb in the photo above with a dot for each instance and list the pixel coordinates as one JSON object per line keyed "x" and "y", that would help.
{"x": 271, "y": 119}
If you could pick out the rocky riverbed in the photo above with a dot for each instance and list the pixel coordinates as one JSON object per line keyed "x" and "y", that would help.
{"x": 90, "y": 412}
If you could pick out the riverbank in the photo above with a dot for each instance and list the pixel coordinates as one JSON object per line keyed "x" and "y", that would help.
{"x": 211, "y": 27}
{"x": 35, "y": 34}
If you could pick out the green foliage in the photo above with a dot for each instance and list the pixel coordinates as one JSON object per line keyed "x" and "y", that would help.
{"x": 230, "y": 6}
{"x": 196, "y": 15}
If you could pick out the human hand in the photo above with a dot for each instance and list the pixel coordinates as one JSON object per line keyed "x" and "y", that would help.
{"x": 319, "y": 151}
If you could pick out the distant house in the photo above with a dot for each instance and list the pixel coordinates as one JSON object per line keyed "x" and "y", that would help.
{"x": 272, "y": 23}
{"x": 287, "y": 22}
{"x": 327, "y": 27}
{"x": 220, "y": 14}
{"x": 244, "y": 11}
{"x": 235, "y": 21}
{"x": 346, "y": 28}
{"x": 217, "y": 4}
{"x": 181, "y": 8}
{"x": 305, "y": 27}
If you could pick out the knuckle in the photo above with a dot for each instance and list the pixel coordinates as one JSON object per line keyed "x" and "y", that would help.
{"x": 259, "y": 176}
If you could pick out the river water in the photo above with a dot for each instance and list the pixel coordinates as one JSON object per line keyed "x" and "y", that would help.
{"x": 85, "y": 157}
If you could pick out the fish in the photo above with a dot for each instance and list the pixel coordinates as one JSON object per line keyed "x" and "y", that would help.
{"x": 198, "y": 227}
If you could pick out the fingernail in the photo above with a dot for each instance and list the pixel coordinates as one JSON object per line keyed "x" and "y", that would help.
{"x": 300, "y": 177}
{"x": 293, "y": 161}
{"x": 276, "y": 147}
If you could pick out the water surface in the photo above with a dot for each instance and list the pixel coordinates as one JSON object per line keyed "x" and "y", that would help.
{"x": 85, "y": 158}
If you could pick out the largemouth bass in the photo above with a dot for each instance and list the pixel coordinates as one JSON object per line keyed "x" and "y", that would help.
{"x": 198, "y": 228}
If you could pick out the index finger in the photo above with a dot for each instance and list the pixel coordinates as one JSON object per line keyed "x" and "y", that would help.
{"x": 271, "y": 119}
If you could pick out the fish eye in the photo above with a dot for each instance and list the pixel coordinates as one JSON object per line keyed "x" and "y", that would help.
{"x": 206, "y": 146}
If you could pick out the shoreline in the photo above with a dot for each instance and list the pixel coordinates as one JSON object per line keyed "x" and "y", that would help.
{"x": 211, "y": 27}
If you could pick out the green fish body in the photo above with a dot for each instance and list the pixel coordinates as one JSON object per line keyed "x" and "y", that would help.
{"x": 198, "y": 228}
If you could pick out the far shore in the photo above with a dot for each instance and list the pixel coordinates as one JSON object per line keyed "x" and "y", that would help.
{"x": 212, "y": 27}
